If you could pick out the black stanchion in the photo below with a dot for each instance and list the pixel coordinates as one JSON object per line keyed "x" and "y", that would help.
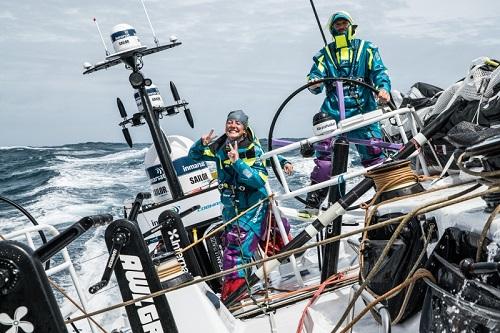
{"x": 340, "y": 157}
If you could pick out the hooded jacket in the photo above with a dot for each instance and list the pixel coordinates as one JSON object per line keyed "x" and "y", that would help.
{"x": 351, "y": 58}
{"x": 241, "y": 183}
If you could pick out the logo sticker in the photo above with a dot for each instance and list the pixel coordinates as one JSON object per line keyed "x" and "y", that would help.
{"x": 17, "y": 325}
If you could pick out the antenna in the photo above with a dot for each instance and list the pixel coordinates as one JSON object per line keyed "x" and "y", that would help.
{"x": 157, "y": 42}
{"x": 102, "y": 39}
{"x": 317, "y": 21}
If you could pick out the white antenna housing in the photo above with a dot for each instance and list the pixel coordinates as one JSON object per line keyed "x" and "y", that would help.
{"x": 124, "y": 38}
{"x": 153, "y": 95}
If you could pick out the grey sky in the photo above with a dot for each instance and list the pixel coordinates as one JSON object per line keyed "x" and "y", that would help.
{"x": 235, "y": 54}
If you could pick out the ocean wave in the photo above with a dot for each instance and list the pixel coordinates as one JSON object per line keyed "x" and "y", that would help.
{"x": 27, "y": 148}
{"x": 108, "y": 158}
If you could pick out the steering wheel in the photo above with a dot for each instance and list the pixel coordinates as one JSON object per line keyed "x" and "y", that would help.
{"x": 295, "y": 93}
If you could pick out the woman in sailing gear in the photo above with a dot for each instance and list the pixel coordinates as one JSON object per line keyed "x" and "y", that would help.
{"x": 242, "y": 176}
{"x": 355, "y": 59}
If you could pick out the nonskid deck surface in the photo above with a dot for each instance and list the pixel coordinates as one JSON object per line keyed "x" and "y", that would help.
{"x": 326, "y": 311}
{"x": 323, "y": 316}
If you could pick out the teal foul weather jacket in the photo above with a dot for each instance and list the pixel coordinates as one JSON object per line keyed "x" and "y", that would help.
{"x": 355, "y": 59}
{"x": 241, "y": 183}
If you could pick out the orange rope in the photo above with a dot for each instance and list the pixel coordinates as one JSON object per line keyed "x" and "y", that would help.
{"x": 332, "y": 279}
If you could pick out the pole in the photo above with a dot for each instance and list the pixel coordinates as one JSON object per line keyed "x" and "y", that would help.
{"x": 317, "y": 21}
{"x": 160, "y": 143}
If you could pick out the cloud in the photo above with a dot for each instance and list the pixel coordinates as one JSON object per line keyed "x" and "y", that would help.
{"x": 7, "y": 15}
{"x": 235, "y": 54}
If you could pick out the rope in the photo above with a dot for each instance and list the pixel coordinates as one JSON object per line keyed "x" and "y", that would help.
{"x": 374, "y": 210}
{"x": 439, "y": 203}
{"x": 245, "y": 276}
{"x": 410, "y": 274}
{"x": 289, "y": 293}
{"x": 484, "y": 174}
{"x": 222, "y": 273}
{"x": 65, "y": 294}
{"x": 93, "y": 258}
{"x": 388, "y": 180}
{"x": 266, "y": 247}
{"x": 484, "y": 233}
{"x": 284, "y": 254}
{"x": 332, "y": 279}
{"x": 248, "y": 287}
{"x": 216, "y": 230}
{"x": 421, "y": 273}
{"x": 262, "y": 261}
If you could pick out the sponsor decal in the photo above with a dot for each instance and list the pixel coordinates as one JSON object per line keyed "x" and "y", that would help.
{"x": 155, "y": 174}
{"x": 256, "y": 217}
{"x": 205, "y": 207}
{"x": 112, "y": 258}
{"x": 216, "y": 251}
{"x": 138, "y": 285}
{"x": 122, "y": 34}
{"x": 176, "y": 246}
{"x": 185, "y": 165}
{"x": 198, "y": 178}
{"x": 16, "y": 324}
{"x": 330, "y": 125}
{"x": 162, "y": 190}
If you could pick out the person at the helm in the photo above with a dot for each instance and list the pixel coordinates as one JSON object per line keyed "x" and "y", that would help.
{"x": 350, "y": 57}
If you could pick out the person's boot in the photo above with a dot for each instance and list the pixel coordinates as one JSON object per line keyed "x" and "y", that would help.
{"x": 230, "y": 286}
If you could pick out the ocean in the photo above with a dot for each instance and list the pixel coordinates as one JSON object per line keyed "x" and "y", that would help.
{"x": 61, "y": 184}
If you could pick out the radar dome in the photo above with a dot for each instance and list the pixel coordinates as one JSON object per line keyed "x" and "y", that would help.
{"x": 124, "y": 38}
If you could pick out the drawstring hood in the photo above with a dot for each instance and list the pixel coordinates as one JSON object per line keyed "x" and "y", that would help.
{"x": 342, "y": 39}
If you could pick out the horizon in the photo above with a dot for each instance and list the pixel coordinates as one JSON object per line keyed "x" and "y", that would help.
{"x": 248, "y": 56}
